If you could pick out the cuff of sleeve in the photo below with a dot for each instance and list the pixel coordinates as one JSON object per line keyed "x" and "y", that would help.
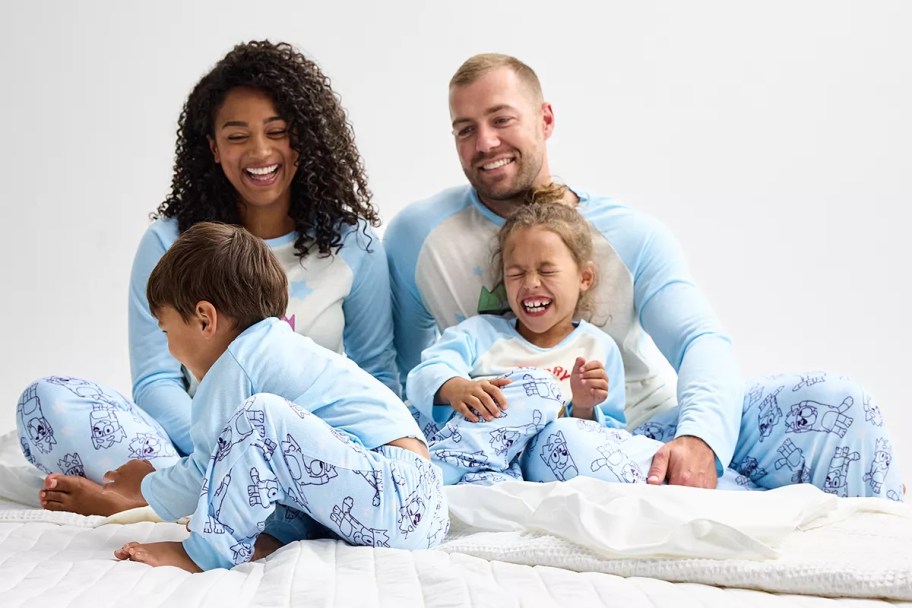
{"x": 203, "y": 554}
{"x": 148, "y": 489}
{"x": 716, "y": 444}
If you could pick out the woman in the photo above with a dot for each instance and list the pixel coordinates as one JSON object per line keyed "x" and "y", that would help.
{"x": 262, "y": 142}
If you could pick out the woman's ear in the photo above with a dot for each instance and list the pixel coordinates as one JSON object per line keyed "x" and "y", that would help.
{"x": 213, "y": 147}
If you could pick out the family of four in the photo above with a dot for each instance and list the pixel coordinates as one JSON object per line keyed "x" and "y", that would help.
{"x": 526, "y": 323}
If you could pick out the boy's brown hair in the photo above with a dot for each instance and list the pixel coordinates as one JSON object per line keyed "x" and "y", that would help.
{"x": 224, "y": 265}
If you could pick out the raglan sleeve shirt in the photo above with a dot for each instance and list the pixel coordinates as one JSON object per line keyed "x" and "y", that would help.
{"x": 159, "y": 386}
{"x": 368, "y": 333}
{"x": 684, "y": 327}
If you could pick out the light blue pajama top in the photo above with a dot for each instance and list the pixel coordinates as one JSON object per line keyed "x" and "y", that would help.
{"x": 269, "y": 357}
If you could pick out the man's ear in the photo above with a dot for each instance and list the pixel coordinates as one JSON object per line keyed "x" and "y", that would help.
{"x": 206, "y": 318}
{"x": 547, "y": 118}
{"x": 214, "y": 149}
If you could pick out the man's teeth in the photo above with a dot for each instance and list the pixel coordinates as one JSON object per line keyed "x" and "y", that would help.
{"x": 497, "y": 164}
{"x": 262, "y": 170}
{"x": 536, "y": 304}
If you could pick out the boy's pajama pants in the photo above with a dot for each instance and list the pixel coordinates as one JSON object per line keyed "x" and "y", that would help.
{"x": 76, "y": 427}
{"x": 295, "y": 477}
{"x": 810, "y": 428}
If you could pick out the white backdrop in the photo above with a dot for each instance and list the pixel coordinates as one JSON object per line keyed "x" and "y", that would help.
{"x": 773, "y": 138}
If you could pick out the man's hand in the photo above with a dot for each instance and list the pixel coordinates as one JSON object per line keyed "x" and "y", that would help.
{"x": 685, "y": 461}
{"x": 126, "y": 480}
{"x": 469, "y": 397}
{"x": 589, "y": 385}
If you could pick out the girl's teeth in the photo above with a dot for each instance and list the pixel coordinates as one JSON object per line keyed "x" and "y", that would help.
{"x": 262, "y": 170}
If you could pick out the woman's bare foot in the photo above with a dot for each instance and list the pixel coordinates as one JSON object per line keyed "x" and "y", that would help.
{"x": 79, "y": 495}
{"x": 158, "y": 554}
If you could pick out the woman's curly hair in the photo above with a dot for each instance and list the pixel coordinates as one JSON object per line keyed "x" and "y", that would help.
{"x": 329, "y": 187}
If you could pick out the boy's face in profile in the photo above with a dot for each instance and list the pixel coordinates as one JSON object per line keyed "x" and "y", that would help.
{"x": 185, "y": 340}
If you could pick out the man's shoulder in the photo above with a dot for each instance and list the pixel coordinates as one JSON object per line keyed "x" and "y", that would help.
{"x": 425, "y": 214}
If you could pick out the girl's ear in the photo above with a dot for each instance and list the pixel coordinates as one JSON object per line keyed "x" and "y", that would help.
{"x": 587, "y": 276}
{"x": 206, "y": 318}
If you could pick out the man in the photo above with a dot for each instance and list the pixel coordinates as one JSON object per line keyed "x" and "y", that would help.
{"x": 785, "y": 429}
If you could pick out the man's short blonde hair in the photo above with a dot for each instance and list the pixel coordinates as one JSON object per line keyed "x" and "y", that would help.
{"x": 477, "y": 66}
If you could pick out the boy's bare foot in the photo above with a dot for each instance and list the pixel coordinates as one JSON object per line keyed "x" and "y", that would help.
{"x": 266, "y": 544}
{"x": 79, "y": 495}
{"x": 158, "y": 554}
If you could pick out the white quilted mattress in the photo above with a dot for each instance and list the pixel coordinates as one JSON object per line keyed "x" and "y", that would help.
{"x": 518, "y": 550}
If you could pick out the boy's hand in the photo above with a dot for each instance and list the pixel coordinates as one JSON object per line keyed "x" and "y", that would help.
{"x": 469, "y": 397}
{"x": 126, "y": 479}
{"x": 589, "y": 385}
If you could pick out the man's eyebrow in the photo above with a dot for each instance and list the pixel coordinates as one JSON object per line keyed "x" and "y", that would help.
{"x": 492, "y": 110}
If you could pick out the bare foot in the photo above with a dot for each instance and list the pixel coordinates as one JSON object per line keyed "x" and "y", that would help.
{"x": 79, "y": 495}
{"x": 158, "y": 554}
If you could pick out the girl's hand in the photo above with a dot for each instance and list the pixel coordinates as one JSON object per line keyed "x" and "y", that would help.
{"x": 474, "y": 398}
{"x": 589, "y": 385}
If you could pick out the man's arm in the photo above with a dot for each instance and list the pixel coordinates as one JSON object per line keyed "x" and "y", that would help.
{"x": 684, "y": 327}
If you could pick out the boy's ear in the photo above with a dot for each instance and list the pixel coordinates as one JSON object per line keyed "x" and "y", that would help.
{"x": 587, "y": 276}
{"x": 206, "y": 317}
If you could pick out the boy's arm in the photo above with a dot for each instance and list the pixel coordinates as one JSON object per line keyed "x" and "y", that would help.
{"x": 174, "y": 492}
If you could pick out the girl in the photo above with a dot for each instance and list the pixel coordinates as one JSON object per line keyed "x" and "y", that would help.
{"x": 537, "y": 394}
{"x": 263, "y": 143}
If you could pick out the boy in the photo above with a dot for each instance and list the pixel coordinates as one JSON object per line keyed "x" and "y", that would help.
{"x": 290, "y": 439}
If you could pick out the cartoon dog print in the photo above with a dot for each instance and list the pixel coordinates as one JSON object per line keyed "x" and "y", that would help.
{"x": 263, "y": 492}
{"x": 556, "y": 455}
{"x": 808, "y": 416}
{"x": 808, "y": 381}
{"x": 769, "y": 414}
{"x": 146, "y": 446}
{"x": 32, "y": 420}
{"x": 305, "y": 471}
{"x": 77, "y": 386}
{"x": 793, "y": 458}
{"x": 375, "y": 479}
{"x": 836, "y": 479}
{"x": 410, "y": 513}
{"x": 872, "y": 412}
{"x": 240, "y": 426}
{"x": 750, "y": 469}
{"x": 71, "y": 464}
{"x": 546, "y": 389}
{"x": 620, "y": 465}
{"x": 352, "y": 529}
{"x": 474, "y": 460}
{"x": 213, "y": 525}
{"x": 106, "y": 429}
{"x": 877, "y": 472}
{"x": 504, "y": 438}
{"x": 657, "y": 431}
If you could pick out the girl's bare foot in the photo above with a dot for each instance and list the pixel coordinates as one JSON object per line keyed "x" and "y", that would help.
{"x": 79, "y": 495}
{"x": 158, "y": 554}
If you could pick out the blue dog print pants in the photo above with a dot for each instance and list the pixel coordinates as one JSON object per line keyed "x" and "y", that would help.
{"x": 293, "y": 476}
{"x": 795, "y": 428}
{"x": 76, "y": 427}
{"x": 489, "y": 452}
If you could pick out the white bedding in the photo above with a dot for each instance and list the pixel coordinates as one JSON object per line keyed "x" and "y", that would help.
{"x": 849, "y": 549}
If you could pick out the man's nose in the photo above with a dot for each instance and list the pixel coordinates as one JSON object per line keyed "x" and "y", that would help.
{"x": 487, "y": 139}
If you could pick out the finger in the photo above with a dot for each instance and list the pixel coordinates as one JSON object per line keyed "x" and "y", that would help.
{"x": 659, "y": 467}
{"x": 597, "y": 384}
{"x": 592, "y": 365}
{"x": 578, "y": 365}
{"x": 110, "y": 477}
{"x": 489, "y": 408}
{"x": 463, "y": 410}
{"x": 498, "y": 397}
{"x": 500, "y": 381}
{"x": 52, "y": 496}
